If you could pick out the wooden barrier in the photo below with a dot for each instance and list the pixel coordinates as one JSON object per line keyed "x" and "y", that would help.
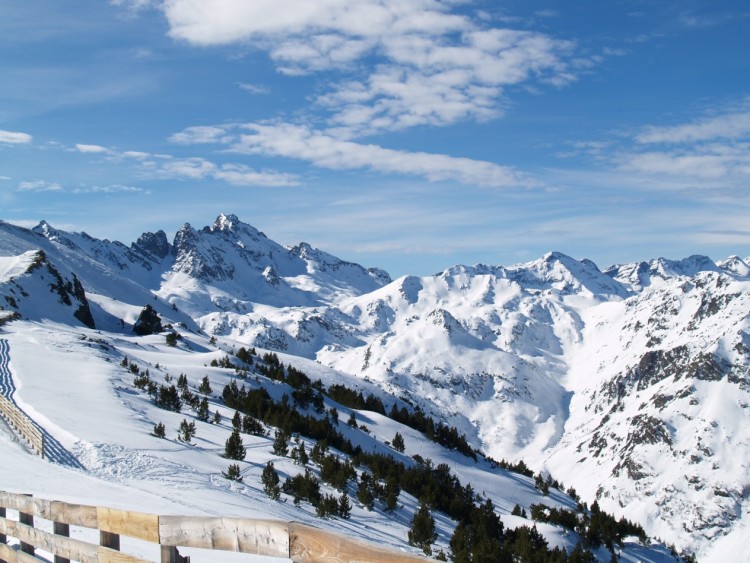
{"x": 290, "y": 540}
{"x": 23, "y": 424}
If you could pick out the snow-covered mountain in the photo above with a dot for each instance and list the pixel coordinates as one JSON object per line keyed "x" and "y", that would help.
{"x": 630, "y": 384}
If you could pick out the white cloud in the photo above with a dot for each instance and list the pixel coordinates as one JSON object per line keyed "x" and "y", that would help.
{"x": 39, "y": 186}
{"x": 111, "y": 189}
{"x": 325, "y": 151}
{"x": 235, "y": 174}
{"x": 254, "y": 88}
{"x": 241, "y": 175}
{"x": 431, "y": 66}
{"x": 199, "y": 134}
{"x": 138, "y": 155}
{"x": 732, "y": 125}
{"x": 15, "y": 137}
{"x": 91, "y": 148}
{"x": 222, "y": 22}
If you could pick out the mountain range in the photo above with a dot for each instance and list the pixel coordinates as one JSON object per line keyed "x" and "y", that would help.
{"x": 630, "y": 384}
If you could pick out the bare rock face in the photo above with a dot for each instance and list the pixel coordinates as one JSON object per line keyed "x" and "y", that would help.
{"x": 148, "y": 322}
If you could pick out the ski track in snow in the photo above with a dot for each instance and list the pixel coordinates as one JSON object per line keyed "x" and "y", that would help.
{"x": 53, "y": 450}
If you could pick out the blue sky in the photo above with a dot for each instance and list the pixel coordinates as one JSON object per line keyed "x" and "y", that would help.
{"x": 406, "y": 134}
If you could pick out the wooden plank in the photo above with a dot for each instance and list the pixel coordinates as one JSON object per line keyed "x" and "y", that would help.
{"x": 22, "y": 557}
{"x": 57, "y": 545}
{"x": 127, "y": 523}
{"x": 23, "y": 424}
{"x": 313, "y": 545}
{"x": 22, "y": 503}
{"x": 7, "y": 554}
{"x": 106, "y": 555}
{"x": 63, "y": 530}
{"x": 73, "y": 514}
{"x": 26, "y": 520}
{"x": 259, "y": 537}
{"x": 26, "y": 504}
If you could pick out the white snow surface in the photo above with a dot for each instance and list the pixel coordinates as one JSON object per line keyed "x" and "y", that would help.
{"x": 630, "y": 384}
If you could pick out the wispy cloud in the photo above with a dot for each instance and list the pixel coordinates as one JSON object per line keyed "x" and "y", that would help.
{"x": 236, "y": 174}
{"x": 254, "y": 88}
{"x": 15, "y": 137}
{"x": 730, "y": 125}
{"x": 710, "y": 152}
{"x": 431, "y": 66}
{"x": 111, "y": 189}
{"x": 39, "y": 186}
{"x": 333, "y": 153}
{"x": 96, "y": 149}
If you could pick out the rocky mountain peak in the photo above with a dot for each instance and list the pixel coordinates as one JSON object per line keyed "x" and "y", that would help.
{"x": 155, "y": 244}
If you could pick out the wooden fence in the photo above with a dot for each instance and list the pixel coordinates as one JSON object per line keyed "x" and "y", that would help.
{"x": 23, "y": 424}
{"x": 274, "y": 538}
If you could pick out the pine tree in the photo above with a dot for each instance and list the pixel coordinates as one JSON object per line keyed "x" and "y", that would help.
{"x": 159, "y": 430}
{"x": 334, "y": 413}
{"x": 233, "y": 472}
{"x": 392, "y": 490}
{"x": 234, "y": 448}
{"x": 281, "y": 443}
{"x": 345, "y": 507}
{"x": 203, "y": 412}
{"x": 398, "y": 442}
{"x": 299, "y": 455}
{"x": 186, "y": 431}
{"x": 422, "y": 533}
{"x": 365, "y": 493}
{"x": 205, "y": 386}
{"x": 217, "y": 417}
{"x": 352, "y": 422}
{"x": 270, "y": 480}
{"x": 252, "y": 426}
{"x": 237, "y": 420}
{"x": 182, "y": 381}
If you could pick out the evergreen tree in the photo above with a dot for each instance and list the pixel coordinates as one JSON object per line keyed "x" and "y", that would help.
{"x": 345, "y": 507}
{"x": 334, "y": 414}
{"x": 233, "y": 472}
{"x": 205, "y": 386}
{"x": 217, "y": 417}
{"x": 252, "y": 426}
{"x": 182, "y": 381}
{"x": 398, "y": 442}
{"x": 299, "y": 455}
{"x": 365, "y": 493}
{"x": 234, "y": 448}
{"x": 186, "y": 431}
{"x": 327, "y": 506}
{"x": 168, "y": 398}
{"x": 422, "y": 533}
{"x": 392, "y": 490}
{"x": 202, "y": 413}
{"x": 237, "y": 420}
{"x": 159, "y": 430}
{"x": 352, "y": 422}
{"x": 270, "y": 480}
{"x": 281, "y": 443}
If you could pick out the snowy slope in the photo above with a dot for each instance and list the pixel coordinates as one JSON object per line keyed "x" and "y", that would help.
{"x": 106, "y": 423}
{"x": 630, "y": 384}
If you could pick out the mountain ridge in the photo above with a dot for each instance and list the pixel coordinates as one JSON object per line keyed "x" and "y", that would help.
{"x": 580, "y": 371}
